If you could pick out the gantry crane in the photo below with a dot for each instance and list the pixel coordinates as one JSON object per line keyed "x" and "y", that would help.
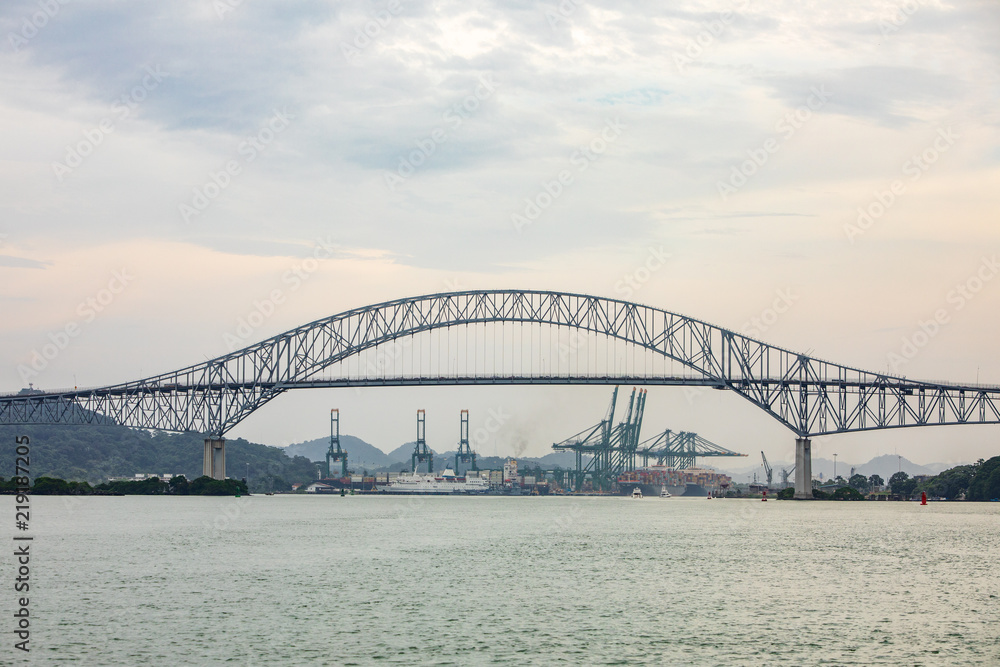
{"x": 464, "y": 453}
{"x": 612, "y": 449}
{"x": 421, "y": 452}
{"x": 680, "y": 450}
{"x": 335, "y": 452}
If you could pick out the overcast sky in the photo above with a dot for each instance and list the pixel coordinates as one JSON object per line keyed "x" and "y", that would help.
{"x": 167, "y": 165}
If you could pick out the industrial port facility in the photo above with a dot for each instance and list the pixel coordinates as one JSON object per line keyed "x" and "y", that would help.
{"x": 610, "y": 459}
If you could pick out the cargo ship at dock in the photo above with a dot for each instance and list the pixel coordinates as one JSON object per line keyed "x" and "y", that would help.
{"x": 691, "y": 482}
{"x": 445, "y": 484}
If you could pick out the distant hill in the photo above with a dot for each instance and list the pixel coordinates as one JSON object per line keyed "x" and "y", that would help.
{"x": 444, "y": 460}
{"x": 403, "y": 452}
{"x": 560, "y": 459}
{"x": 94, "y": 453}
{"x": 938, "y": 467}
{"x": 360, "y": 455}
{"x": 884, "y": 466}
{"x": 887, "y": 465}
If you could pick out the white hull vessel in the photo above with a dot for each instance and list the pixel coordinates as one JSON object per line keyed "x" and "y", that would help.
{"x": 446, "y": 484}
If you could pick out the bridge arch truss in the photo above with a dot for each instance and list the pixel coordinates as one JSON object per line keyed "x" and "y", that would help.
{"x": 807, "y": 395}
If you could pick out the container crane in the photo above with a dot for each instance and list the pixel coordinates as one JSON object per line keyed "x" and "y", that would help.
{"x": 464, "y": 453}
{"x": 767, "y": 470}
{"x": 335, "y": 453}
{"x": 421, "y": 452}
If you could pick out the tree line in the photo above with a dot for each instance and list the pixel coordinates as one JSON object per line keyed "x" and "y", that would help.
{"x": 152, "y": 486}
{"x": 979, "y": 481}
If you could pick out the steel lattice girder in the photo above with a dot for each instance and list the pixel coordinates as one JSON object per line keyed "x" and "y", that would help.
{"x": 809, "y": 396}
{"x": 680, "y": 449}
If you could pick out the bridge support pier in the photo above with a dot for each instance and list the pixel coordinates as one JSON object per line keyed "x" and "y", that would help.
{"x": 803, "y": 469}
{"x": 215, "y": 458}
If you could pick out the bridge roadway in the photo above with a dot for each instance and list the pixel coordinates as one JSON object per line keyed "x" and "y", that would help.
{"x": 809, "y": 396}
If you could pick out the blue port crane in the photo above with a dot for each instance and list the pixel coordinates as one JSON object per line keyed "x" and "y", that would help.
{"x": 335, "y": 452}
{"x": 464, "y": 453}
{"x": 421, "y": 452}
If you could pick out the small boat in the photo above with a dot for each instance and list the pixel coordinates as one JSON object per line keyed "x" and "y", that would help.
{"x": 637, "y": 492}
{"x": 663, "y": 492}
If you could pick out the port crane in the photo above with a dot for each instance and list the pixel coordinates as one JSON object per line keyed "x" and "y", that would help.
{"x": 464, "y": 453}
{"x": 785, "y": 474}
{"x": 335, "y": 452}
{"x": 421, "y": 452}
{"x": 612, "y": 449}
{"x": 680, "y": 450}
{"x": 767, "y": 469}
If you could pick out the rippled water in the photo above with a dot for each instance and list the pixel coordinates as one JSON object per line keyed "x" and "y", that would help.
{"x": 493, "y": 580}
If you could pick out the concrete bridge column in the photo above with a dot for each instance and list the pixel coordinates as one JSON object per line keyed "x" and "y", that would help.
{"x": 803, "y": 469}
{"x": 215, "y": 458}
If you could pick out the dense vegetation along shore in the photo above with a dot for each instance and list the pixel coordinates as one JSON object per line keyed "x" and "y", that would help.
{"x": 177, "y": 486}
{"x": 99, "y": 452}
{"x": 977, "y": 482}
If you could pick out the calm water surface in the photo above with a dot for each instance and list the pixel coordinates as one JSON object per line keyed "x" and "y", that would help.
{"x": 506, "y": 581}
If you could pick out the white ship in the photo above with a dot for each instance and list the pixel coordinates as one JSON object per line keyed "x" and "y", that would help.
{"x": 427, "y": 483}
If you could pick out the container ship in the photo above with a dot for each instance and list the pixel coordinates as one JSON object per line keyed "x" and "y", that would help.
{"x": 686, "y": 482}
{"x": 447, "y": 483}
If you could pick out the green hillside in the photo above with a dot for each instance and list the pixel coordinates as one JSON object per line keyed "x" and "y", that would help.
{"x": 360, "y": 455}
{"x": 94, "y": 453}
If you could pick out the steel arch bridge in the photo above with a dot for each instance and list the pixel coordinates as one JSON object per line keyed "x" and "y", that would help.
{"x": 809, "y": 396}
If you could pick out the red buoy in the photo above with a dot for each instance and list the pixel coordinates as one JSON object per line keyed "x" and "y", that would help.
{"x": 923, "y": 497}
{"x": 764, "y": 499}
